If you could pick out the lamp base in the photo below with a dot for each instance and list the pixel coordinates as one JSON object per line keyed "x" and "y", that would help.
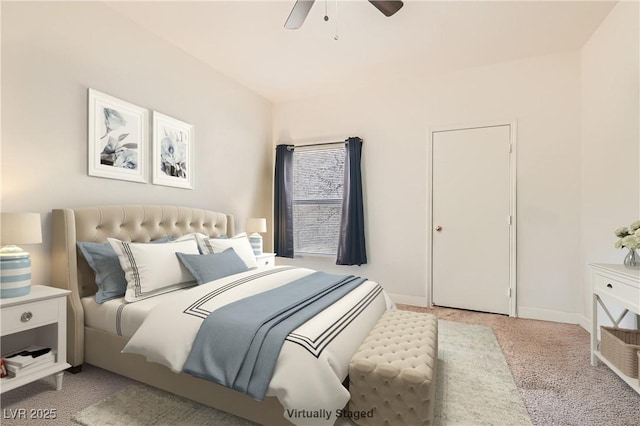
{"x": 15, "y": 274}
{"x": 256, "y": 243}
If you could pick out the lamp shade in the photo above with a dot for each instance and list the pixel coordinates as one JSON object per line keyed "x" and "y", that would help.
{"x": 20, "y": 228}
{"x": 256, "y": 225}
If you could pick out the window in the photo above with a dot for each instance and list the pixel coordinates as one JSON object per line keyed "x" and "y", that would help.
{"x": 318, "y": 181}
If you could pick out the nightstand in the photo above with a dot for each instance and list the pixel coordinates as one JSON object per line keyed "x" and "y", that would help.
{"x": 266, "y": 260}
{"x": 40, "y": 319}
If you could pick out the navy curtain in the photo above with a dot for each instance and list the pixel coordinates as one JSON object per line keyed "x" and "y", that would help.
{"x": 351, "y": 247}
{"x": 283, "y": 202}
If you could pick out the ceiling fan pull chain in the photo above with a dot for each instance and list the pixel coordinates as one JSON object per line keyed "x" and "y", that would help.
{"x": 336, "y": 36}
{"x": 326, "y": 13}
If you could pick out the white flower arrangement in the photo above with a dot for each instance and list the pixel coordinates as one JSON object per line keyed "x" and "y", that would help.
{"x": 628, "y": 237}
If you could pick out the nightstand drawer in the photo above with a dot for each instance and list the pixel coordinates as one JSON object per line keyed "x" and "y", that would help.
{"x": 615, "y": 288}
{"x": 266, "y": 260}
{"x": 24, "y": 317}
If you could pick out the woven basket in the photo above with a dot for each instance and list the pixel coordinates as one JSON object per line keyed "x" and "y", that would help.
{"x": 620, "y": 346}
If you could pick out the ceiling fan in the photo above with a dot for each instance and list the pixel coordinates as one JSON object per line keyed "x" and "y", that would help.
{"x": 302, "y": 7}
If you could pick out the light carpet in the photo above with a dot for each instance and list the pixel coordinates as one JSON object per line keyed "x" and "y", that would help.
{"x": 474, "y": 386}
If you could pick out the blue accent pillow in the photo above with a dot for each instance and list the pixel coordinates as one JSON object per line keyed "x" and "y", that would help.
{"x": 209, "y": 267}
{"x": 109, "y": 274}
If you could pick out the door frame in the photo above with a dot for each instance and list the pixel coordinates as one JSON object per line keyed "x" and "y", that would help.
{"x": 513, "y": 131}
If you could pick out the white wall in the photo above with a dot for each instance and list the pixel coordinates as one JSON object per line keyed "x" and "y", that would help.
{"x": 53, "y": 52}
{"x": 610, "y": 138}
{"x": 542, "y": 94}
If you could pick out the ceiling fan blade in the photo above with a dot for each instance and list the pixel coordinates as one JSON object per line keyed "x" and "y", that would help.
{"x": 387, "y": 7}
{"x": 298, "y": 14}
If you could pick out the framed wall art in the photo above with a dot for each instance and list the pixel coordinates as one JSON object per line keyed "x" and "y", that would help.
{"x": 118, "y": 138}
{"x": 173, "y": 158}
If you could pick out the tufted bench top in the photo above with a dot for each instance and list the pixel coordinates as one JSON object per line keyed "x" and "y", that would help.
{"x": 392, "y": 375}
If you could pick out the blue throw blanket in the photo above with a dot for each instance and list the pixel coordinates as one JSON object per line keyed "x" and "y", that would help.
{"x": 238, "y": 344}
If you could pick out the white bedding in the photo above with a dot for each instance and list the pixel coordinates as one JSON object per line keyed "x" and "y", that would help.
{"x": 314, "y": 359}
{"x": 117, "y": 316}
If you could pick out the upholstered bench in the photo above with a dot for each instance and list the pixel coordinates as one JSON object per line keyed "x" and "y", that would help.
{"x": 392, "y": 376}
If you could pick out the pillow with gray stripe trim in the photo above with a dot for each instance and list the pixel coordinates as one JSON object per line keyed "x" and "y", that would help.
{"x": 240, "y": 243}
{"x": 152, "y": 269}
{"x": 106, "y": 266}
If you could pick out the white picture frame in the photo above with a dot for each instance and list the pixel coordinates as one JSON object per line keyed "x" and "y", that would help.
{"x": 173, "y": 156}
{"x": 118, "y": 138}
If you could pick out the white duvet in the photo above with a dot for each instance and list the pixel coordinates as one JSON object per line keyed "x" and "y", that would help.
{"x": 314, "y": 359}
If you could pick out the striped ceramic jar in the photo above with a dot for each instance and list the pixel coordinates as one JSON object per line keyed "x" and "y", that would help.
{"x": 15, "y": 275}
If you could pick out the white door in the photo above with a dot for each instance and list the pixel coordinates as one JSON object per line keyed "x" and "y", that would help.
{"x": 471, "y": 198}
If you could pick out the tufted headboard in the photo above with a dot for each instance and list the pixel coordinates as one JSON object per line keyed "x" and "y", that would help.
{"x": 137, "y": 223}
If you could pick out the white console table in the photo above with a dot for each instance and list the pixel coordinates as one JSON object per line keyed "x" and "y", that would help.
{"x": 619, "y": 286}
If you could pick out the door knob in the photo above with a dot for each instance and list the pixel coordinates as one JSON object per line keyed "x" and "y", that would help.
{"x": 438, "y": 228}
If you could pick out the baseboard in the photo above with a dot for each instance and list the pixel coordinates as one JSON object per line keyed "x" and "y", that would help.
{"x": 550, "y": 315}
{"x": 523, "y": 312}
{"x": 404, "y": 299}
{"x": 585, "y": 323}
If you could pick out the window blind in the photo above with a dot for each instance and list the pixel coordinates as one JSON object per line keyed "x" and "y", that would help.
{"x": 318, "y": 183}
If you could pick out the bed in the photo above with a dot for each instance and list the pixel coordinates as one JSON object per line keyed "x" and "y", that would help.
{"x": 92, "y": 336}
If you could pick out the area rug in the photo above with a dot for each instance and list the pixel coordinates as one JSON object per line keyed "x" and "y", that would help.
{"x": 474, "y": 387}
{"x": 474, "y": 383}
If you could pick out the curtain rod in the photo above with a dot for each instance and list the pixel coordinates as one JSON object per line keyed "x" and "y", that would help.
{"x": 315, "y": 144}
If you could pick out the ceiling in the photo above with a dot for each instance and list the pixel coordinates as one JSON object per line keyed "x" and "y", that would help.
{"x": 246, "y": 40}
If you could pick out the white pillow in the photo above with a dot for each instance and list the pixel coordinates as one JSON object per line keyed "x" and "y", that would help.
{"x": 152, "y": 269}
{"x": 191, "y": 236}
{"x": 240, "y": 244}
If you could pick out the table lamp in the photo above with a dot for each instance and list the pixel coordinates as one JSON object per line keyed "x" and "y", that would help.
{"x": 15, "y": 263}
{"x": 256, "y": 226}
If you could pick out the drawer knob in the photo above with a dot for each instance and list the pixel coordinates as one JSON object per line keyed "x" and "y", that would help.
{"x": 26, "y": 316}
{"x": 609, "y": 286}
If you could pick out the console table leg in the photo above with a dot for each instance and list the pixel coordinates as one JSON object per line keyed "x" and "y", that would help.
{"x": 594, "y": 329}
